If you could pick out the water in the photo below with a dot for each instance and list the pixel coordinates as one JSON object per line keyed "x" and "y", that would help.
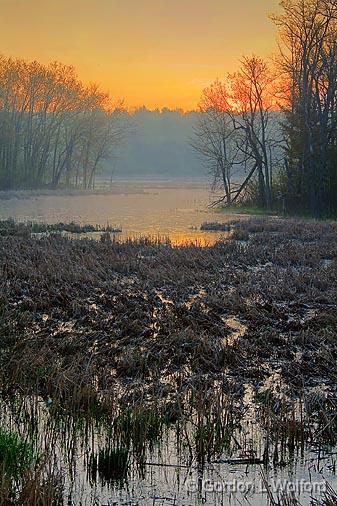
{"x": 169, "y": 475}
{"x": 173, "y": 210}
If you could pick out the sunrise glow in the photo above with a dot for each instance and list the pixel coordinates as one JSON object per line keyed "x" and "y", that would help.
{"x": 156, "y": 53}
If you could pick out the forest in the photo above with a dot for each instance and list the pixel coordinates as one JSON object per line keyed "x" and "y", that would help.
{"x": 272, "y": 122}
{"x": 54, "y": 130}
{"x": 158, "y": 145}
{"x": 278, "y": 118}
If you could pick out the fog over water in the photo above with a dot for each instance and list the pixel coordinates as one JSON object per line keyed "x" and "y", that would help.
{"x": 173, "y": 209}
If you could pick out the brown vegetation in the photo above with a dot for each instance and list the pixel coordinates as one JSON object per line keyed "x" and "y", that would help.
{"x": 114, "y": 311}
{"x": 143, "y": 334}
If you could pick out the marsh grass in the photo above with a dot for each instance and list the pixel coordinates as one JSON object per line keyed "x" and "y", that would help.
{"x": 11, "y": 227}
{"x": 215, "y": 227}
{"x": 133, "y": 339}
{"x": 16, "y": 455}
{"x": 329, "y": 498}
{"x": 24, "y": 479}
{"x": 248, "y": 210}
{"x": 109, "y": 465}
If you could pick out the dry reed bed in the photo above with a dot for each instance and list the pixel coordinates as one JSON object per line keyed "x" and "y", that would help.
{"x": 140, "y": 335}
{"x": 84, "y": 322}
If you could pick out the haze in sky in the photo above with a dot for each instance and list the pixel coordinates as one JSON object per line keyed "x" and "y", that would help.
{"x": 157, "y": 53}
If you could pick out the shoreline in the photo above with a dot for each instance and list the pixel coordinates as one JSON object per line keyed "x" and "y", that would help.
{"x": 127, "y": 187}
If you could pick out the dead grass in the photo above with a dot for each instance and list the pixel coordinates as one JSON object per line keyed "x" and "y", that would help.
{"x": 135, "y": 308}
{"x": 89, "y": 325}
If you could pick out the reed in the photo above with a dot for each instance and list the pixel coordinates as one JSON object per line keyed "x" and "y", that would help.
{"x": 138, "y": 338}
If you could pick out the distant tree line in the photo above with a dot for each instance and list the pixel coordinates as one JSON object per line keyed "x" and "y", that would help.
{"x": 158, "y": 145}
{"x": 54, "y": 131}
{"x": 279, "y": 120}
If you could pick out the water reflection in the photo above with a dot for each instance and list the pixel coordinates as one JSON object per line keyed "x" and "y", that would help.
{"x": 99, "y": 469}
{"x": 157, "y": 211}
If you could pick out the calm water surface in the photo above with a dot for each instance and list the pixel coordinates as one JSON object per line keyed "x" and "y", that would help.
{"x": 165, "y": 210}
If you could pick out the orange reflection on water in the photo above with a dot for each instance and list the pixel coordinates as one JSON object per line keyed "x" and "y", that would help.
{"x": 179, "y": 238}
{"x": 199, "y": 239}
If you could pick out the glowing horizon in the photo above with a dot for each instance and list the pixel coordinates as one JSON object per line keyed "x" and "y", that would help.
{"x": 153, "y": 53}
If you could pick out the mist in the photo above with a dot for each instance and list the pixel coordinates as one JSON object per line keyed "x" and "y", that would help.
{"x": 158, "y": 145}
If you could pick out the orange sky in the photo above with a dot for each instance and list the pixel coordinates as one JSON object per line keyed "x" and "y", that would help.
{"x": 157, "y": 53}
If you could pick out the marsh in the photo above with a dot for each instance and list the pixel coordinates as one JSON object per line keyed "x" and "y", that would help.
{"x": 167, "y": 209}
{"x": 136, "y": 370}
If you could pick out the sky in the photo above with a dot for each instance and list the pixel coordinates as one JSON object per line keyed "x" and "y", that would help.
{"x": 156, "y": 53}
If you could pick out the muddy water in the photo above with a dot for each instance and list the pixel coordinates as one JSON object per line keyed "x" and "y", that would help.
{"x": 166, "y": 483}
{"x": 173, "y": 210}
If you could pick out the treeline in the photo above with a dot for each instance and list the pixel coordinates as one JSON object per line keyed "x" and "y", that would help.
{"x": 279, "y": 119}
{"x": 54, "y": 131}
{"x": 159, "y": 146}
{"x": 308, "y": 34}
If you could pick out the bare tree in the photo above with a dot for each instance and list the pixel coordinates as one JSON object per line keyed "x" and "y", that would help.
{"x": 215, "y": 139}
{"x": 238, "y": 127}
{"x": 53, "y": 130}
{"x": 253, "y": 117}
{"x": 308, "y": 59}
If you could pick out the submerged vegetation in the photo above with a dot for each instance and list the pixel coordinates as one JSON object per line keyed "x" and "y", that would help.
{"x": 122, "y": 345}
